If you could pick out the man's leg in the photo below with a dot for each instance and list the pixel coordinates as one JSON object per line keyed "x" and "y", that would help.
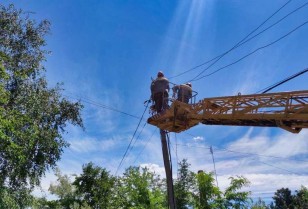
{"x": 165, "y": 102}
{"x": 158, "y": 97}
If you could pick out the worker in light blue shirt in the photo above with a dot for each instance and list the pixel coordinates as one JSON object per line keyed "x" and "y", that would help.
{"x": 182, "y": 92}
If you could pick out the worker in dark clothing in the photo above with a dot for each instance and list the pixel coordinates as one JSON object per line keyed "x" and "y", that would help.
{"x": 159, "y": 92}
{"x": 182, "y": 92}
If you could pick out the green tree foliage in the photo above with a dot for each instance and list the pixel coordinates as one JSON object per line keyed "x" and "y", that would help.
{"x": 300, "y": 198}
{"x": 65, "y": 190}
{"x": 141, "y": 189}
{"x": 184, "y": 186}
{"x": 209, "y": 195}
{"x": 94, "y": 186}
{"x": 259, "y": 205}
{"x": 283, "y": 199}
{"x": 12, "y": 199}
{"x": 33, "y": 116}
{"x": 43, "y": 203}
{"x": 234, "y": 198}
{"x": 205, "y": 194}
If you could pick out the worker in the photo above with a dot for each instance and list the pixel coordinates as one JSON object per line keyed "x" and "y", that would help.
{"x": 182, "y": 92}
{"x": 160, "y": 92}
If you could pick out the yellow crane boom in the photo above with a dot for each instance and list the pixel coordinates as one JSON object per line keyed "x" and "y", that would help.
{"x": 287, "y": 110}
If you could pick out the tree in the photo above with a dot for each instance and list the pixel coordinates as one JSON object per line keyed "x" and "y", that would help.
{"x": 300, "y": 198}
{"x": 207, "y": 192}
{"x": 65, "y": 190}
{"x": 11, "y": 199}
{"x": 140, "y": 188}
{"x": 283, "y": 199}
{"x": 184, "y": 186}
{"x": 208, "y": 196}
{"x": 43, "y": 203}
{"x": 33, "y": 116}
{"x": 94, "y": 186}
{"x": 36, "y": 115}
{"x": 234, "y": 198}
{"x": 259, "y": 205}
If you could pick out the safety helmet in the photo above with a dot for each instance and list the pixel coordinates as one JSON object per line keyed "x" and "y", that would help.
{"x": 160, "y": 74}
{"x": 188, "y": 84}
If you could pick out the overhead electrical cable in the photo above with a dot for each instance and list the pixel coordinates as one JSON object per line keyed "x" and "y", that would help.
{"x": 267, "y": 156}
{"x": 176, "y": 154}
{"x": 260, "y": 155}
{"x": 101, "y": 106}
{"x": 241, "y": 42}
{"x": 137, "y": 137}
{"x": 267, "y": 89}
{"x": 188, "y": 145}
{"x": 279, "y": 168}
{"x": 125, "y": 153}
{"x": 170, "y": 159}
{"x": 258, "y": 159}
{"x": 243, "y": 153}
{"x": 246, "y": 153}
{"x": 190, "y": 134}
{"x": 256, "y": 50}
{"x": 148, "y": 140}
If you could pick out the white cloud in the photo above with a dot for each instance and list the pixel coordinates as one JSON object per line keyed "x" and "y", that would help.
{"x": 265, "y": 185}
{"x": 91, "y": 145}
{"x": 284, "y": 145}
{"x": 154, "y": 168}
{"x": 198, "y": 139}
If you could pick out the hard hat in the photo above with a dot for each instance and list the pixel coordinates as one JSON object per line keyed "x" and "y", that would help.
{"x": 188, "y": 84}
{"x": 160, "y": 74}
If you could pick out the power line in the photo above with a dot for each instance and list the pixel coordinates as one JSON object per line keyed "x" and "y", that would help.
{"x": 222, "y": 149}
{"x": 254, "y": 154}
{"x": 262, "y": 47}
{"x": 240, "y": 44}
{"x": 186, "y": 145}
{"x": 217, "y": 58}
{"x": 137, "y": 137}
{"x": 190, "y": 134}
{"x": 279, "y": 168}
{"x": 145, "y": 145}
{"x": 283, "y": 81}
{"x": 211, "y": 151}
{"x": 131, "y": 139}
{"x": 175, "y": 151}
{"x": 88, "y": 101}
{"x": 245, "y": 153}
{"x": 176, "y": 154}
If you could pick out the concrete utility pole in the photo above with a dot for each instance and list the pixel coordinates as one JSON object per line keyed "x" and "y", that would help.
{"x": 211, "y": 150}
{"x": 170, "y": 190}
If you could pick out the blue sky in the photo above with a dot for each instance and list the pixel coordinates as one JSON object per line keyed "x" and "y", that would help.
{"x": 107, "y": 52}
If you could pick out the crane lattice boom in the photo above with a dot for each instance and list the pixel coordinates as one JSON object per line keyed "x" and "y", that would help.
{"x": 287, "y": 110}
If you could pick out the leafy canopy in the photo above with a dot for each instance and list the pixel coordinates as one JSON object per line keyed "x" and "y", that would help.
{"x": 33, "y": 116}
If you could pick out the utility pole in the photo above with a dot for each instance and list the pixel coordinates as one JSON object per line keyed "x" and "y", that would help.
{"x": 211, "y": 149}
{"x": 170, "y": 190}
